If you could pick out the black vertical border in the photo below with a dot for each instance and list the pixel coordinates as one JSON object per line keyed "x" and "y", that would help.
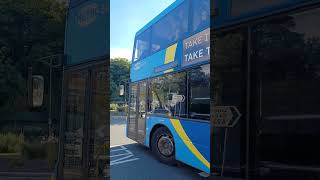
{"x": 212, "y": 2}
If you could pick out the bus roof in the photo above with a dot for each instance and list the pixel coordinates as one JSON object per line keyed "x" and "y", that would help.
{"x": 161, "y": 15}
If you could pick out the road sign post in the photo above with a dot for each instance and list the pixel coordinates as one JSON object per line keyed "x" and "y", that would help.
{"x": 225, "y": 117}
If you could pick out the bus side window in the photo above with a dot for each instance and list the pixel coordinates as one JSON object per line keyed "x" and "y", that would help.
{"x": 170, "y": 28}
{"x": 168, "y": 95}
{"x": 199, "y": 93}
{"x": 202, "y": 8}
{"x": 142, "y": 45}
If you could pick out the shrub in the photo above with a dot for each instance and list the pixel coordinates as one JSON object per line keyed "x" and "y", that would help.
{"x": 126, "y": 108}
{"x": 34, "y": 151}
{"x": 114, "y": 107}
{"x": 121, "y": 108}
{"x": 11, "y": 143}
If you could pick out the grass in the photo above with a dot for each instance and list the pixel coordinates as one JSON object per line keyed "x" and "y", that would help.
{"x": 17, "y": 149}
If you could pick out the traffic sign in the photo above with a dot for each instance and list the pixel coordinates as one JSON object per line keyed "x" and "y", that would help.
{"x": 178, "y": 98}
{"x": 225, "y": 116}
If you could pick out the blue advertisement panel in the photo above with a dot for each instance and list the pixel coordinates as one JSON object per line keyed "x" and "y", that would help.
{"x": 192, "y": 51}
{"x": 87, "y": 31}
{"x": 196, "y": 48}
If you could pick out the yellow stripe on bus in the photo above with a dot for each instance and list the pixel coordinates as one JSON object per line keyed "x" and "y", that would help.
{"x": 170, "y": 55}
{"x": 179, "y": 129}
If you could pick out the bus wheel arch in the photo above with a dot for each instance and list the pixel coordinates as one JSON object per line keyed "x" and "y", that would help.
{"x": 162, "y": 144}
{"x": 154, "y": 128}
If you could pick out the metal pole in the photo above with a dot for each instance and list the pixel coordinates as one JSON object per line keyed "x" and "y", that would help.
{"x": 248, "y": 109}
{"x": 50, "y": 91}
{"x": 224, "y": 150}
{"x": 126, "y": 82}
{"x": 59, "y": 163}
{"x": 125, "y": 93}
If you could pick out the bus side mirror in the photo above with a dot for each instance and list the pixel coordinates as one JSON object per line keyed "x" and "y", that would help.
{"x": 37, "y": 90}
{"x": 121, "y": 93}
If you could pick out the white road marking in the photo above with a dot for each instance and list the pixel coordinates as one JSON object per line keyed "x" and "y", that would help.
{"x": 127, "y": 156}
{"x": 121, "y": 149}
{"x": 116, "y": 146}
{"x": 128, "y": 160}
{"x": 121, "y": 155}
{"x": 204, "y": 174}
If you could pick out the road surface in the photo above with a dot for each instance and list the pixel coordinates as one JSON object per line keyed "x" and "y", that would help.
{"x": 132, "y": 161}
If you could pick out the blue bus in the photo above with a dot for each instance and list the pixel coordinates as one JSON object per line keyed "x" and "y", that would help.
{"x": 169, "y": 85}
{"x": 246, "y": 106}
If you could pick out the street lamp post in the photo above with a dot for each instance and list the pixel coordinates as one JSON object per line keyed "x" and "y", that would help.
{"x": 43, "y": 60}
{"x": 126, "y": 81}
{"x": 50, "y": 106}
{"x": 125, "y": 89}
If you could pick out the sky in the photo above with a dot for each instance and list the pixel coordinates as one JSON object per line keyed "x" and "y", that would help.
{"x": 126, "y": 18}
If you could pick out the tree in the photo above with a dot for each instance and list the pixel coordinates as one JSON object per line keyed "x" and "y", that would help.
{"x": 10, "y": 80}
{"x": 29, "y": 29}
{"x": 119, "y": 72}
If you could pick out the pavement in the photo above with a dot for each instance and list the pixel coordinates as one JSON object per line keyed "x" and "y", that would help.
{"x": 36, "y": 169}
{"x": 132, "y": 161}
{"x": 25, "y": 176}
{"x": 118, "y": 131}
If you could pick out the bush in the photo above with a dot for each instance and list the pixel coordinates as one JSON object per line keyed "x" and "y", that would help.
{"x": 34, "y": 151}
{"x": 114, "y": 107}
{"x": 121, "y": 108}
{"x": 11, "y": 143}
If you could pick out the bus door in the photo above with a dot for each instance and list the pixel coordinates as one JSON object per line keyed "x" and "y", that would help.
{"x": 141, "y": 113}
{"x": 228, "y": 102}
{"x": 137, "y": 114}
{"x": 131, "y": 123}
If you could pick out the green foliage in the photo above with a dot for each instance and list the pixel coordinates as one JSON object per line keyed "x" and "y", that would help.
{"x": 11, "y": 143}
{"x": 118, "y": 108}
{"x": 122, "y": 108}
{"x": 29, "y": 29}
{"x": 114, "y": 107}
{"x": 119, "y": 72}
{"x": 10, "y": 81}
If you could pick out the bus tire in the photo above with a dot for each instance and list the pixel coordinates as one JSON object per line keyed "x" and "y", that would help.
{"x": 162, "y": 145}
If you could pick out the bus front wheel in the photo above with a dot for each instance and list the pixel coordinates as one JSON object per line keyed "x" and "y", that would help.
{"x": 163, "y": 146}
